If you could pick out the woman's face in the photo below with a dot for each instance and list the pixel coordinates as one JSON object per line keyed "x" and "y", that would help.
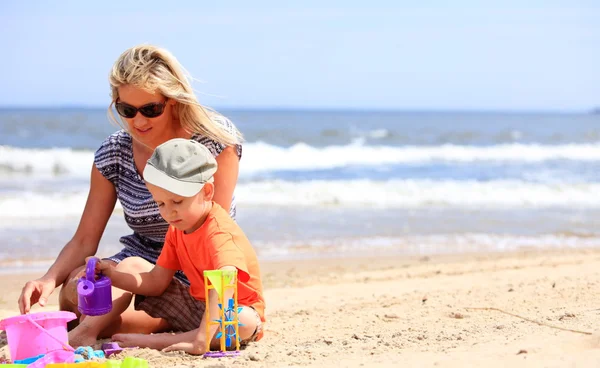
{"x": 151, "y": 131}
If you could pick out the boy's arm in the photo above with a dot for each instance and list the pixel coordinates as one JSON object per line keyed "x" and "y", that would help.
{"x": 197, "y": 345}
{"x": 151, "y": 283}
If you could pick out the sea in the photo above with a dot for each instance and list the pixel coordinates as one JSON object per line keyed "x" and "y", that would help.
{"x": 339, "y": 183}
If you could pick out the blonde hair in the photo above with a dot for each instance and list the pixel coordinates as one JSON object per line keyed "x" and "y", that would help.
{"x": 155, "y": 69}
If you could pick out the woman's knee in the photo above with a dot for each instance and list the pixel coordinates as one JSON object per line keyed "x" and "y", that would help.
{"x": 68, "y": 292}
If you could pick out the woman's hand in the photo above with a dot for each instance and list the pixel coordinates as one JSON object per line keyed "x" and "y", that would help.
{"x": 36, "y": 291}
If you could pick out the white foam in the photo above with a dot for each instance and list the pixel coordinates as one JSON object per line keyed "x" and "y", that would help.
{"x": 31, "y": 205}
{"x": 262, "y": 157}
{"x": 45, "y": 162}
{"x": 408, "y": 245}
{"x": 371, "y": 134}
{"x": 418, "y": 245}
{"x": 420, "y": 193}
{"x": 352, "y": 193}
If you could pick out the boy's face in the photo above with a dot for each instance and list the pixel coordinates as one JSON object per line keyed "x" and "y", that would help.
{"x": 185, "y": 213}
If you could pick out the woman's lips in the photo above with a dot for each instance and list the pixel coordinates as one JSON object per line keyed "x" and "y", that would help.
{"x": 144, "y": 130}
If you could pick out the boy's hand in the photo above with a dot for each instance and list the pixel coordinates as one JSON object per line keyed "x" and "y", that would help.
{"x": 102, "y": 267}
{"x": 191, "y": 347}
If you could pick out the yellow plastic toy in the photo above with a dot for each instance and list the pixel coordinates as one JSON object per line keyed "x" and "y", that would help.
{"x": 228, "y": 319}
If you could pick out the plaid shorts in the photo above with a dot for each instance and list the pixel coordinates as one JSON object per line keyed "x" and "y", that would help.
{"x": 181, "y": 310}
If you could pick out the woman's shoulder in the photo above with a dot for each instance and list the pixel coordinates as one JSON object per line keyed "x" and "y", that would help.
{"x": 112, "y": 148}
{"x": 117, "y": 141}
{"x": 225, "y": 123}
{"x": 215, "y": 147}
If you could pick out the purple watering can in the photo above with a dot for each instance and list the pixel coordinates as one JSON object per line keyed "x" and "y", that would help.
{"x": 94, "y": 296}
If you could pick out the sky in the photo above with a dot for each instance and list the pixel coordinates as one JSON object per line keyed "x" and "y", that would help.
{"x": 439, "y": 55}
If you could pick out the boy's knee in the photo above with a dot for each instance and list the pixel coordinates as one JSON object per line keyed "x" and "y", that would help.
{"x": 250, "y": 321}
{"x": 134, "y": 264}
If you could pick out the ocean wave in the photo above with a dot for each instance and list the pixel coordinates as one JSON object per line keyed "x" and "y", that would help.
{"x": 350, "y": 193}
{"x": 29, "y": 204}
{"x": 420, "y": 194}
{"x": 412, "y": 245}
{"x": 45, "y": 162}
{"x": 407, "y": 245}
{"x": 264, "y": 157}
{"x": 261, "y": 157}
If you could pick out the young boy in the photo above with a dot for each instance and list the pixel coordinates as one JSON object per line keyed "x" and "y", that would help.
{"x": 201, "y": 236}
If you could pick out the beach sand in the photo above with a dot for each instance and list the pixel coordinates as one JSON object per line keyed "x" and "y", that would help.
{"x": 391, "y": 311}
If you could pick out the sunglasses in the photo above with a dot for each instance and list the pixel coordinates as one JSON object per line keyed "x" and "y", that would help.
{"x": 151, "y": 110}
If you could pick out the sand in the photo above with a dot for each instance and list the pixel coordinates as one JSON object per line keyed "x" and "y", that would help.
{"x": 390, "y": 311}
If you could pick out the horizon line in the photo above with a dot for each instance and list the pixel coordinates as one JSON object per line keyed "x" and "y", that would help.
{"x": 592, "y": 110}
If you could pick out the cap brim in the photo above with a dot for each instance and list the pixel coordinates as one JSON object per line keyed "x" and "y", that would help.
{"x": 160, "y": 179}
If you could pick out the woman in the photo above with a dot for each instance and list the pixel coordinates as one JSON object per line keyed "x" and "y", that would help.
{"x": 156, "y": 103}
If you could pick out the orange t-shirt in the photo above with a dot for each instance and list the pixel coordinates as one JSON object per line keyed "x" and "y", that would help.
{"x": 217, "y": 243}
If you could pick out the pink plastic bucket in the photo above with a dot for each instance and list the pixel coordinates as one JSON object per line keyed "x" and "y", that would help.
{"x": 26, "y": 340}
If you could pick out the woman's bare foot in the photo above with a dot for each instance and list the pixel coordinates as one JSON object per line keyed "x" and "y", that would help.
{"x": 156, "y": 341}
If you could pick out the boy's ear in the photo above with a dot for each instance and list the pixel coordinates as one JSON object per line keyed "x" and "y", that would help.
{"x": 208, "y": 191}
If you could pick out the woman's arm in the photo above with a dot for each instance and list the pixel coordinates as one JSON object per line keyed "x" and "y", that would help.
{"x": 226, "y": 176}
{"x": 98, "y": 208}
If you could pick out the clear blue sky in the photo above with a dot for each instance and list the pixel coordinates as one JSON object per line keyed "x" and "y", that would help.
{"x": 512, "y": 54}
